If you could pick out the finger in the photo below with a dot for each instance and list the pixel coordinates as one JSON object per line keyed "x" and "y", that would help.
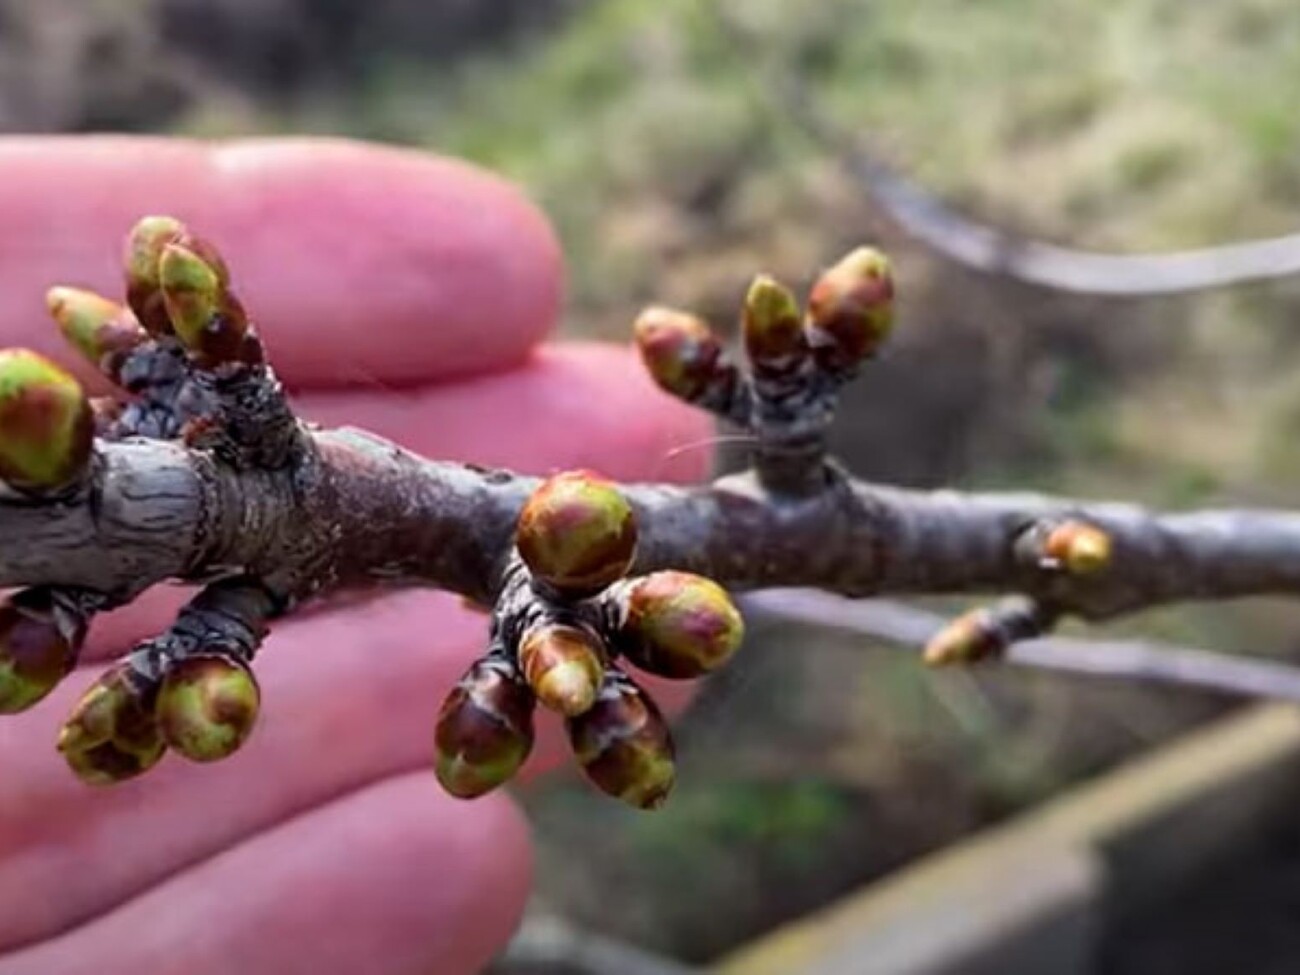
{"x": 395, "y": 878}
{"x": 575, "y": 405}
{"x": 362, "y": 265}
{"x": 570, "y": 406}
{"x": 345, "y": 702}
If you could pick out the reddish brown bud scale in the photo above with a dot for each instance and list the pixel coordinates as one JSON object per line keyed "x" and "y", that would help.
{"x": 485, "y": 729}
{"x": 46, "y": 425}
{"x": 773, "y": 328}
{"x": 112, "y": 734}
{"x": 563, "y": 665}
{"x": 207, "y": 706}
{"x": 1077, "y": 547}
{"x": 851, "y": 310}
{"x": 623, "y": 744}
{"x": 36, "y": 652}
{"x": 577, "y": 533}
{"x": 970, "y": 638}
{"x": 103, "y": 331}
{"x": 679, "y": 625}
{"x": 681, "y": 353}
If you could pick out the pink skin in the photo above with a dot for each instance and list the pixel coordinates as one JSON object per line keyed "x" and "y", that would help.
{"x": 398, "y": 292}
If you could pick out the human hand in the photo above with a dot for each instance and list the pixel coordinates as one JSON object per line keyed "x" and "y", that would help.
{"x": 395, "y": 292}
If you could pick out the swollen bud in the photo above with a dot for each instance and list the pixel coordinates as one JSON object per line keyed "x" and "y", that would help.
{"x": 562, "y": 665}
{"x": 46, "y": 426}
{"x": 851, "y": 309}
{"x": 1079, "y": 548}
{"x": 679, "y": 625}
{"x": 577, "y": 533}
{"x": 142, "y": 258}
{"x": 681, "y": 353}
{"x": 111, "y": 734}
{"x": 623, "y": 744}
{"x": 773, "y": 328}
{"x": 101, "y": 330}
{"x": 203, "y": 312}
{"x": 37, "y": 648}
{"x": 207, "y": 706}
{"x": 485, "y": 729}
{"x": 970, "y": 638}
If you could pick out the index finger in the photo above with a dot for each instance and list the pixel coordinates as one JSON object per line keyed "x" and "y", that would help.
{"x": 360, "y": 264}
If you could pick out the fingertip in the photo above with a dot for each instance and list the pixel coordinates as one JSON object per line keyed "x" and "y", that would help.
{"x": 362, "y": 264}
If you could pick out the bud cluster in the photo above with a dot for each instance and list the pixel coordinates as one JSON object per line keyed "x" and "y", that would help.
{"x": 179, "y": 284}
{"x": 567, "y": 624}
{"x": 849, "y": 315}
{"x": 797, "y": 360}
{"x": 201, "y": 705}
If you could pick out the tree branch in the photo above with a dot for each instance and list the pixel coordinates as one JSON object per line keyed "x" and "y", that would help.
{"x": 208, "y": 477}
{"x": 159, "y": 511}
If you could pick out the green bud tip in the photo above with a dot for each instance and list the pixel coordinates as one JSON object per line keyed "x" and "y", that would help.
{"x": 97, "y": 328}
{"x": 563, "y": 666}
{"x": 207, "y": 706}
{"x": 851, "y": 309}
{"x": 680, "y": 352}
{"x": 112, "y": 734}
{"x": 624, "y": 746}
{"x": 191, "y": 291}
{"x": 772, "y": 325}
{"x": 36, "y": 652}
{"x": 485, "y": 729}
{"x": 577, "y": 533}
{"x": 679, "y": 625}
{"x": 203, "y": 312}
{"x": 46, "y": 425}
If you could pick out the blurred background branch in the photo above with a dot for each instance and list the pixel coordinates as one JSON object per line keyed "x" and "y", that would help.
{"x": 1136, "y": 660}
{"x": 984, "y": 247}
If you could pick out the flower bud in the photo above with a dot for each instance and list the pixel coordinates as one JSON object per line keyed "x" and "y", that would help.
{"x": 681, "y": 353}
{"x": 203, "y": 312}
{"x": 623, "y": 744}
{"x": 207, "y": 706}
{"x": 485, "y": 729}
{"x": 46, "y": 426}
{"x": 38, "y": 648}
{"x": 144, "y": 247}
{"x": 562, "y": 665}
{"x": 112, "y": 734}
{"x": 970, "y": 638}
{"x": 772, "y": 327}
{"x": 101, "y": 330}
{"x": 851, "y": 309}
{"x": 1078, "y": 547}
{"x": 577, "y": 533}
{"x": 143, "y": 262}
{"x": 679, "y": 625}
